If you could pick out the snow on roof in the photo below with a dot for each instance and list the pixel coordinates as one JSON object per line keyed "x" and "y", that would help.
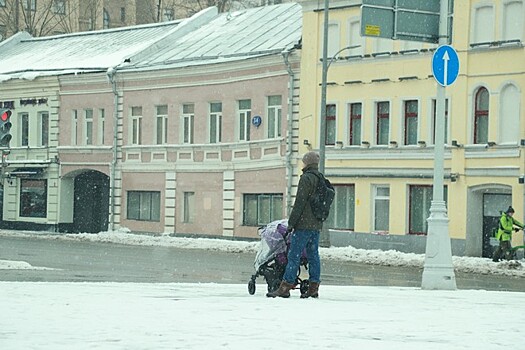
{"x": 232, "y": 36}
{"x": 206, "y": 37}
{"x": 85, "y": 51}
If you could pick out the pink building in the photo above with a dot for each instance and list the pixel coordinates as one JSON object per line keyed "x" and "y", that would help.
{"x": 182, "y": 127}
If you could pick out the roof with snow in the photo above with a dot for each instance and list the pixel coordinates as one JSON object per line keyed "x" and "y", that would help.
{"x": 85, "y": 51}
{"x": 206, "y": 37}
{"x": 231, "y": 36}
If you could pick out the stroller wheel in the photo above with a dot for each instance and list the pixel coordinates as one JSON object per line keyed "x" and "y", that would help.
{"x": 304, "y": 286}
{"x": 251, "y": 287}
{"x": 274, "y": 285}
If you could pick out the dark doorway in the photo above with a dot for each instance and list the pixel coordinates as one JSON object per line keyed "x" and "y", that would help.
{"x": 493, "y": 204}
{"x": 91, "y": 207}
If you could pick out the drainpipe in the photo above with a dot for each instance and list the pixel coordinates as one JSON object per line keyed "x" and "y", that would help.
{"x": 289, "y": 132}
{"x": 111, "y": 73}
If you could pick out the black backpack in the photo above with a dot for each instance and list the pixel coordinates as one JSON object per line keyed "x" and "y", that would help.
{"x": 322, "y": 198}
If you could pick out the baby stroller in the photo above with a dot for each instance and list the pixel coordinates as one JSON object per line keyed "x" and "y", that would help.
{"x": 270, "y": 261}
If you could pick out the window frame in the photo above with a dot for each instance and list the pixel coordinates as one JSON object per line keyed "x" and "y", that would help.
{"x": 24, "y": 129}
{"x": 23, "y": 207}
{"x": 380, "y": 118}
{"x": 434, "y": 116}
{"x": 88, "y": 126}
{"x": 244, "y": 119}
{"x": 408, "y": 118}
{"x": 161, "y": 125}
{"x": 330, "y": 121}
{"x": 135, "y": 127}
{"x": 188, "y": 207}
{"x": 355, "y": 140}
{"x": 149, "y": 206}
{"x": 274, "y": 116}
{"x": 43, "y": 125}
{"x": 215, "y": 116}
{"x": 188, "y": 123}
{"x": 376, "y": 197}
{"x": 480, "y": 113}
{"x": 59, "y": 7}
{"x": 348, "y": 197}
{"x": 101, "y": 125}
{"x": 257, "y": 218}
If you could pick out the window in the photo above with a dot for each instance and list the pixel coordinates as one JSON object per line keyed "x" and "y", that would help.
{"x": 434, "y": 111}
{"x": 59, "y": 7}
{"x": 274, "y": 116}
{"x": 354, "y": 29}
{"x": 381, "y": 208}
{"x": 43, "y": 121}
{"x": 88, "y": 126}
{"x": 136, "y": 126}
{"x": 245, "y": 116}
{"x": 509, "y": 115}
{"x": 167, "y": 15}
{"x": 355, "y": 124}
{"x": 383, "y": 122}
{"x": 188, "y": 214}
{"x": 105, "y": 19}
{"x": 188, "y": 117}
{"x": 101, "y": 125}
{"x": 411, "y": 121}
{"x": 483, "y": 31}
{"x": 74, "y": 126}
{"x": 331, "y": 130}
{"x": 24, "y": 130}
{"x": 342, "y": 213}
{"x": 144, "y": 205}
{"x": 33, "y": 198}
{"x": 513, "y": 20}
{"x": 162, "y": 124}
{"x": 419, "y": 207}
{"x": 215, "y": 122}
{"x": 333, "y": 44}
{"x": 29, "y": 5}
{"x": 261, "y": 209}
{"x": 481, "y": 116}
{"x": 123, "y": 14}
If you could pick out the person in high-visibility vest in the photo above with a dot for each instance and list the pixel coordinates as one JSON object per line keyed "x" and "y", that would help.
{"x": 507, "y": 224}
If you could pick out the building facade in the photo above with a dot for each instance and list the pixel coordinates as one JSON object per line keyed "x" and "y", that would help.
{"x": 381, "y": 101}
{"x": 183, "y": 133}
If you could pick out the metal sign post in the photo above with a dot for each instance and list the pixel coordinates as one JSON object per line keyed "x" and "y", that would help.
{"x": 438, "y": 271}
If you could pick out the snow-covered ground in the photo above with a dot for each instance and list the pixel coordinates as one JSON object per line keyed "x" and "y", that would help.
{"x": 54, "y": 316}
{"x": 378, "y": 257}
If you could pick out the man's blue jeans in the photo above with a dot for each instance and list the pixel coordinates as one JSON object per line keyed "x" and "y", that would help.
{"x": 300, "y": 240}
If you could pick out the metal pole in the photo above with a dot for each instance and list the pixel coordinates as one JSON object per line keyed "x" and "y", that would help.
{"x": 324, "y": 237}
{"x": 438, "y": 272}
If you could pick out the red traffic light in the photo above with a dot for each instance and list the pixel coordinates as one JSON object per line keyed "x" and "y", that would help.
{"x": 5, "y": 115}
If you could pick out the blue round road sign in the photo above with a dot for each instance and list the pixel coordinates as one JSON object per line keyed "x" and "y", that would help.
{"x": 445, "y": 65}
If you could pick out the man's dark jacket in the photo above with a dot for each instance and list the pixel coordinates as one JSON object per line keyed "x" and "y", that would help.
{"x": 302, "y": 217}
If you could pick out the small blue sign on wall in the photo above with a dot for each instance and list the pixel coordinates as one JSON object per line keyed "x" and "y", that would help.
{"x": 445, "y": 65}
{"x": 256, "y": 120}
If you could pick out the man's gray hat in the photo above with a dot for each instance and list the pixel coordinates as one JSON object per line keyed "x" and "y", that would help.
{"x": 311, "y": 158}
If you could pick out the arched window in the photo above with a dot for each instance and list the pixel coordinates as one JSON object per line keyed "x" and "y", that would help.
{"x": 481, "y": 116}
{"x": 512, "y": 20}
{"x": 509, "y": 115}
{"x": 106, "y": 19}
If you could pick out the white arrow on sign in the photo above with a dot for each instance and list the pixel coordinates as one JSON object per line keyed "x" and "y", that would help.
{"x": 446, "y": 58}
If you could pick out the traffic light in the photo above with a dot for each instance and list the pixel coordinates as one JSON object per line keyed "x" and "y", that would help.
{"x": 5, "y": 127}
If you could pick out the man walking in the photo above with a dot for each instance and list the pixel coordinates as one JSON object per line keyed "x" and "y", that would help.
{"x": 305, "y": 228}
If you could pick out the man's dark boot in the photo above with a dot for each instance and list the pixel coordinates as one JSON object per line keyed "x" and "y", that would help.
{"x": 312, "y": 292}
{"x": 283, "y": 291}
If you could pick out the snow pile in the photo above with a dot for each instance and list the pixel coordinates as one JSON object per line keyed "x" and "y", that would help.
{"x": 19, "y": 265}
{"x": 365, "y": 256}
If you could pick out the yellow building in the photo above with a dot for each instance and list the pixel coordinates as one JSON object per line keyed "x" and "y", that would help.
{"x": 380, "y": 125}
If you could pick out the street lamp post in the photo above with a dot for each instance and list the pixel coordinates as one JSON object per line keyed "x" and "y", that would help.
{"x": 324, "y": 238}
{"x": 438, "y": 272}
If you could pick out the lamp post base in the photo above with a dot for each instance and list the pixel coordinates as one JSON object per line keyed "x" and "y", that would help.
{"x": 438, "y": 272}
